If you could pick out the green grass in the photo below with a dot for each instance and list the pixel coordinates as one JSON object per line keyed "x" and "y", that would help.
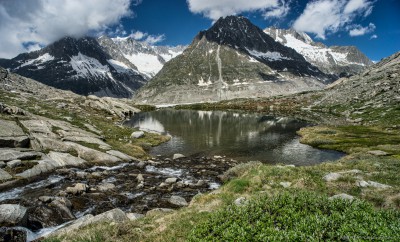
{"x": 299, "y": 216}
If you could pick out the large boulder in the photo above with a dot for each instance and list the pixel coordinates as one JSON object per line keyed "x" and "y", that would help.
{"x": 13, "y": 215}
{"x": 177, "y": 201}
{"x": 114, "y": 215}
{"x": 11, "y": 135}
{"x": 92, "y": 155}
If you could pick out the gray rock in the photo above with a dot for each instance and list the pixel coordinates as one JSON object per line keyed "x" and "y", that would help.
{"x": 2, "y": 164}
{"x": 137, "y": 134}
{"x": 105, "y": 187}
{"x": 140, "y": 178}
{"x": 13, "y": 215}
{"x": 285, "y": 184}
{"x": 240, "y": 201}
{"x": 9, "y": 155}
{"x": 331, "y": 177}
{"x": 92, "y": 129}
{"x": 114, "y": 215}
{"x": 362, "y": 184}
{"x": 4, "y": 175}
{"x": 87, "y": 139}
{"x": 134, "y": 216}
{"x": 171, "y": 180}
{"x": 120, "y": 155}
{"x": 78, "y": 189}
{"x": 43, "y": 167}
{"x": 378, "y": 185}
{"x": 177, "y": 201}
{"x": 14, "y": 163}
{"x": 178, "y": 156}
{"x": 141, "y": 164}
{"x": 92, "y": 155}
{"x": 343, "y": 196}
{"x": 65, "y": 159}
{"x": 157, "y": 211}
{"x": 10, "y": 129}
{"x": 378, "y": 153}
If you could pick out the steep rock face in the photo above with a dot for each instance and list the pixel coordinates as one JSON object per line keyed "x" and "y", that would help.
{"x": 232, "y": 59}
{"x": 79, "y": 65}
{"x": 146, "y": 59}
{"x": 340, "y": 61}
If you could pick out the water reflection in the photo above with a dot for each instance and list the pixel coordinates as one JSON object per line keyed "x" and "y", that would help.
{"x": 241, "y": 136}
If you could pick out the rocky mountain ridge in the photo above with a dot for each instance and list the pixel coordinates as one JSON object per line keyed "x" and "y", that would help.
{"x": 340, "y": 61}
{"x": 102, "y": 67}
{"x": 232, "y": 59}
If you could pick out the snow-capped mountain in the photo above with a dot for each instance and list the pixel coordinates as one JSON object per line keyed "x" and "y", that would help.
{"x": 232, "y": 59}
{"x": 103, "y": 67}
{"x": 146, "y": 59}
{"x": 337, "y": 60}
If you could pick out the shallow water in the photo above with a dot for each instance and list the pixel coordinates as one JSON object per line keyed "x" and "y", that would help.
{"x": 241, "y": 136}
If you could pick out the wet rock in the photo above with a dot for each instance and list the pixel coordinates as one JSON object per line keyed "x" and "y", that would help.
{"x": 177, "y": 201}
{"x": 13, "y": 234}
{"x": 78, "y": 189}
{"x": 81, "y": 174}
{"x": 105, "y": 187}
{"x": 11, "y": 135}
{"x": 137, "y": 134}
{"x": 92, "y": 155}
{"x": 343, "y": 196}
{"x": 177, "y": 156}
{"x": 10, "y": 154}
{"x": 13, "y": 215}
{"x": 2, "y": 164}
{"x": 14, "y": 163}
{"x": 157, "y": 211}
{"x": 120, "y": 155}
{"x": 378, "y": 153}
{"x": 63, "y": 206}
{"x": 4, "y": 175}
{"x": 331, "y": 177}
{"x": 171, "y": 180}
{"x": 134, "y": 216}
{"x": 141, "y": 164}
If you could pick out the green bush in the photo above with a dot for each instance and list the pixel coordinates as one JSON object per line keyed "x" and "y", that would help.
{"x": 300, "y": 216}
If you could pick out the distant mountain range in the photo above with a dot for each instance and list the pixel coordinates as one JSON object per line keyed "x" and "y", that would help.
{"x": 340, "y": 61}
{"x": 232, "y": 59}
{"x": 103, "y": 67}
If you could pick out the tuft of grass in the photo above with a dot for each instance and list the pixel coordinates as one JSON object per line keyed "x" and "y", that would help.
{"x": 299, "y": 216}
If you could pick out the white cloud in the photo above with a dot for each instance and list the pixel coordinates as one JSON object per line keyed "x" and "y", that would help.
{"x": 154, "y": 39}
{"x": 215, "y": 9}
{"x": 322, "y": 17}
{"x": 374, "y": 36}
{"x": 44, "y": 21}
{"x": 358, "y": 30}
{"x": 279, "y": 11}
{"x": 138, "y": 35}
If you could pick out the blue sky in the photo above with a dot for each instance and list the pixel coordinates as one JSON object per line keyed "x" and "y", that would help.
{"x": 371, "y": 25}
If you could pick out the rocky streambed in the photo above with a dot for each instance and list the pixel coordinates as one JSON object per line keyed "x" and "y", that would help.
{"x": 135, "y": 187}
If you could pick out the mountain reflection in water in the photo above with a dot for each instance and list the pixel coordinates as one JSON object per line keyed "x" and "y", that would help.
{"x": 242, "y": 136}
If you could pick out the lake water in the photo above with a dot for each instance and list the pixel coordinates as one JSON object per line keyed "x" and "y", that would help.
{"x": 241, "y": 136}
